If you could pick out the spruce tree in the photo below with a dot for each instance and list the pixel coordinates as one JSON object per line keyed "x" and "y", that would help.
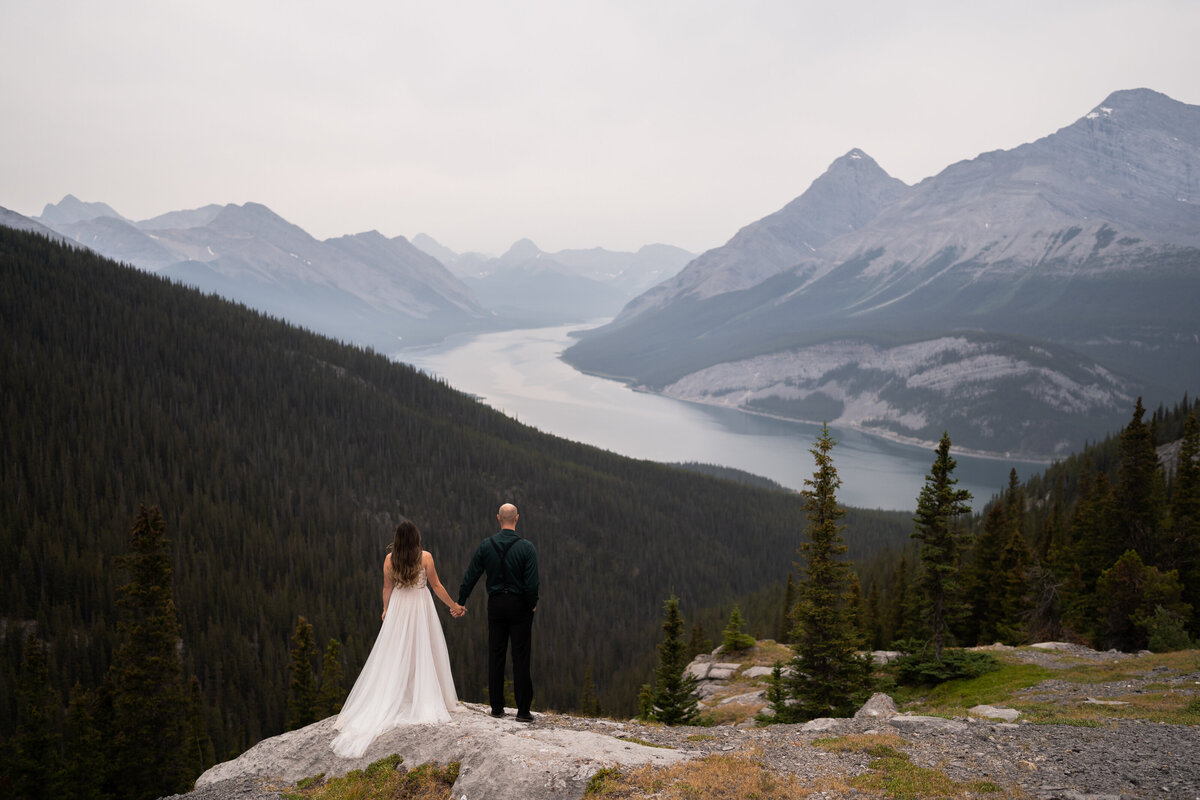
{"x": 302, "y": 688}
{"x": 734, "y": 640}
{"x": 939, "y": 509}
{"x": 34, "y": 763}
{"x": 789, "y": 608}
{"x": 673, "y": 699}
{"x": 1185, "y": 518}
{"x": 828, "y": 677}
{"x": 150, "y": 740}
{"x": 332, "y": 692}
{"x": 83, "y": 750}
{"x": 589, "y": 700}
{"x": 698, "y": 642}
{"x": 1013, "y": 585}
{"x": 1130, "y": 594}
{"x": 1139, "y": 503}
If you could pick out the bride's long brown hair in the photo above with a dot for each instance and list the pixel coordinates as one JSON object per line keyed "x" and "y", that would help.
{"x": 406, "y": 554}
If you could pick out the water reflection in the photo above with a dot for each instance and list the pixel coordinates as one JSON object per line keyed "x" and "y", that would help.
{"x": 519, "y": 372}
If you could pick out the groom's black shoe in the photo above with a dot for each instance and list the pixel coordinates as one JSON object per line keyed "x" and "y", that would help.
{"x": 524, "y": 717}
{"x": 499, "y": 713}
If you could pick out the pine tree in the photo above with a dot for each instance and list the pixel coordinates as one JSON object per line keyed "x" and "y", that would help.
{"x": 698, "y": 642}
{"x": 901, "y": 618}
{"x": 985, "y": 603}
{"x": 1138, "y": 494}
{"x": 1013, "y": 584}
{"x": 83, "y": 750}
{"x": 302, "y": 689}
{"x": 789, "y": 608}
{"x": 939, "y": 507}
{"x": 673, "y": 700}
{"x": 734, "y": 640}
{"x": 874, "y": 617}
{"x": 828, "y": 677}
{"x": 1185, "y": 518}
{"x": 1130, "y": 593}
{"x": 589, "y": 700}
{"x": 33, "y": 766}
{"x": 332, "y": 692}
{"x": 149, "y": 743}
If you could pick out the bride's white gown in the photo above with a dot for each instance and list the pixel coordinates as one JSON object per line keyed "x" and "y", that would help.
{"x": 406, "y": 679}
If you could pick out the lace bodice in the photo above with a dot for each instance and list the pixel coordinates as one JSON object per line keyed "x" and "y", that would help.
{"x": 421, "y": 583}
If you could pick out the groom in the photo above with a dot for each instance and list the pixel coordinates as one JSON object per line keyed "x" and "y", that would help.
{"x": 512, "y": 586}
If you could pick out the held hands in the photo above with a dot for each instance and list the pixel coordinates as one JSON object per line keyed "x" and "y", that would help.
{"x": 457, "y": 611}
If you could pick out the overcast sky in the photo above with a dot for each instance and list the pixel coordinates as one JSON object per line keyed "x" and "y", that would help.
{"x": 576, "y": 124}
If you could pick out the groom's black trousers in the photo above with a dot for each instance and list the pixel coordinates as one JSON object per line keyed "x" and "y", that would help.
{"x": 509, "y": 617}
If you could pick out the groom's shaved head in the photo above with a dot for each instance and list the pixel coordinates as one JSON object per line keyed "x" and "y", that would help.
{"x": 507, "y": 514}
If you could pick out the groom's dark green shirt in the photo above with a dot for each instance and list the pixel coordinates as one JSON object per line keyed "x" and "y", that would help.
{"x": 520, "y": 568}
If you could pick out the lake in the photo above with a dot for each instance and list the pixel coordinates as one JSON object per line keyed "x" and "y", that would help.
{"x": 519, "y": 373}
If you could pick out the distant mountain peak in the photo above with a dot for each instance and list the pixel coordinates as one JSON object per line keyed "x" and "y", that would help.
{"x": 522, "y": 250}
{"x": 71, "y": 209}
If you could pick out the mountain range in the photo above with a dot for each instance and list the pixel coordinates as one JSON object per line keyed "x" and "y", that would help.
{"x": 364, "y": 288}
{"x": 537, "y": 288}
{"x": 1020, "y": 300}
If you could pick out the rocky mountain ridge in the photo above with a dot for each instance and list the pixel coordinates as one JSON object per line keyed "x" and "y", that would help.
{"x": 362, "y": 288}
{"x": 1084, "y": 243}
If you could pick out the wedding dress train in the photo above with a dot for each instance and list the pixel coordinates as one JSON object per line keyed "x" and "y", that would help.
{"x": 406, "y": 679}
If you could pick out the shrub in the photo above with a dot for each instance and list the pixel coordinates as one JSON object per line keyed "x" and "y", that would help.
{"x": 920, "y": 668}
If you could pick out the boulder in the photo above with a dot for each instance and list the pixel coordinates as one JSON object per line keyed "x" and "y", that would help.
{"x": 756, "y": 672}
{"x": 994, "y": 712}
{"x": 748, "y": 697}
{"x": 880, "y": 705}
{"x": 881, "y": 657}
{"x": 918, "y": 724}
{"x": 821, "y": 724}
{"x": 722, "y": 672}
{"x": 501, "y": 759}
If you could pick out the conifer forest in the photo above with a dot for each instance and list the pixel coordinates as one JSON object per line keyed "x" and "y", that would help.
{"x": 191, "y": 485}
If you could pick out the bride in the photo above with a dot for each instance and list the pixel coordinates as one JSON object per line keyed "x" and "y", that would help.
{"x": 406, "y": 679}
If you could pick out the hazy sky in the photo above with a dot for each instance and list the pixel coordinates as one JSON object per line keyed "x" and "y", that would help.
{"x": 577, "y": 124}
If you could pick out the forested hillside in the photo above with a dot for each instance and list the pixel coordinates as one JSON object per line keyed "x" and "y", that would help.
{"x": 281, "y": 461}
{"x": 1103, "y": 548}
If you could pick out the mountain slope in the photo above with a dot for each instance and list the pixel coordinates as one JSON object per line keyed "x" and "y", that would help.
{"x": 363, "y": 288}
{"x": 1086, "y": 239}
{"x": 845, "y": 198}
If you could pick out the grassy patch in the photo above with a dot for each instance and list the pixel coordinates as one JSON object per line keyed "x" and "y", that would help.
{"x": 896, "y": 776}
{"x": 1178, "y": 663}
{"x": 1166, "y": 706}
{"x": 953, "y": 698}
{"x": 381, "y": 780}
{"x": 712, "y": 778}
{"x": 732, "y": 713}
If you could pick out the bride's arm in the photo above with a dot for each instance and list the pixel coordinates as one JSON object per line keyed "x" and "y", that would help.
{"x": 431, "y": 577}
{"x": 387, "y": 583}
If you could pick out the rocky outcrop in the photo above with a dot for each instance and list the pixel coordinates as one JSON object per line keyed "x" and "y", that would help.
{"x": 501, "y": 759}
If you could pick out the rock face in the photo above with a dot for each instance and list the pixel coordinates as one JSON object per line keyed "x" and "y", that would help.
{"x": 501, "y": 759}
